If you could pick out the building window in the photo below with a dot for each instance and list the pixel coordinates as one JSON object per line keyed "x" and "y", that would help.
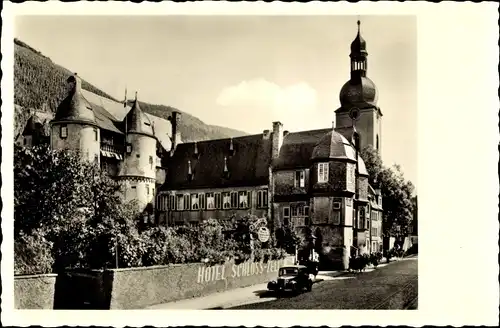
{"x": 306, "y": 211}
{"x": 286, "y": 216}
{"x": 226, "y": 200}
{"x": 202, "y": 201}
{"x": 194, "y": 202}
{"x": 377, "y": 141}
{"x": 262, "y": 199}
{"x": 300, "y": 179}
{"x": 234, "y": 199}
{"x": 171, "y": 202}
{"x": 336, "y": 217}
{"x": 323, "y": 172}
{"x": 133, "y": 187}
{"x": 210, "y": 200}
{"x": 96, "y": 137}
{"x": 64, "y": 131}
{"x": 180, "y": 202}
{"x": 243, "y": 199}
{"x": 218, "y": 200}
{"x": 337, "y": 205}
{"x": 350, "y": 174}
{"x": 147, "y": 189}
{"x": 151, "y": 162}
{"x": 186, "y": 202}
{"x": 294, "y": 210}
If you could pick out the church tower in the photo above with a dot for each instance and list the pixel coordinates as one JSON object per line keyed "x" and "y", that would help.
{"x": 360, "y": 92}
{"x": 138, "y": 169}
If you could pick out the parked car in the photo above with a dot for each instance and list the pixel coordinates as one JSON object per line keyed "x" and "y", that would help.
{"x": 294, "y": 278}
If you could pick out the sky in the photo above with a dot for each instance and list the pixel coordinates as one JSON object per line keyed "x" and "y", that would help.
{"x": 243, "y": 72}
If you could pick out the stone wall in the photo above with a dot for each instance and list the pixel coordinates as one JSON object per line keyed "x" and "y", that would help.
{"x": 136, "y": 288}
{"x": 34, "y": 291}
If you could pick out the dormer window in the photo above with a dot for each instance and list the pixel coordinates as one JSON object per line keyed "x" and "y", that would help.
{"x": 322, "y": 172}
{"x": 231, "y": 148}
{"x": 64, "y": 131}
{"x": 195, "y": 151}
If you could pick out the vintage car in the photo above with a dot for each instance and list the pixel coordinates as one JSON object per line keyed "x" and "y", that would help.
{"x": 294, "y": 278}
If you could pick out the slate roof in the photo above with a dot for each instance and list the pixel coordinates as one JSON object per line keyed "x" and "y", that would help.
{"x": 75, "y": 107}
{"x": 137, "y": 121}
{"x": 248, "y": 166}
{"x": 297, "y": 149}
{"x": 109, "y": 115}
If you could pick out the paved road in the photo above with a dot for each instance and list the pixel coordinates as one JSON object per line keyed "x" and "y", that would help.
{"x": 394, "y": 286}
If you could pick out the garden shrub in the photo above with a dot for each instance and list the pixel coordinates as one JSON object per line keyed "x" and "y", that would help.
{"x": 32, "y": 254}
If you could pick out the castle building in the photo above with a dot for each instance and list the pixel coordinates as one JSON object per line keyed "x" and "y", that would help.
{"x": 314, "y": 181}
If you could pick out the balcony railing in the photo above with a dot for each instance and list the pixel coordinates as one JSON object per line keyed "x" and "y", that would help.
{"x": 117, "y": 149}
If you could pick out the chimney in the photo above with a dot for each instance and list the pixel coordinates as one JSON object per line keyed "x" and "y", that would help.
{"x": 174, "y": 119}
{"x": 266, "y": 134}
{"x": 277, "y": 139}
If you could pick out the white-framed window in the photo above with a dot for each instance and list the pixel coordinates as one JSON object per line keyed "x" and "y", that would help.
{"x": 226, "y": 200}
{"x": 64, "y": 131}
{"x": 300, "y": 179}
{"x": 286, "y": 216}
{"x": 180, "y": 202}
{"x": 195, "y": 202}
{"x": 234, "y": 199}
{"x": 337, "y": 205}
{"x": 322, "y": 172}
{"x": 202, "y": 201}
{"x": 294, "y": 210}
{"x": 171, "y": 200}
{"x": 186, "y": 202}
{"x": 243, "y": 199}
{"x": 210, "y": 200}
{"x": 218, "y": 200}
{"x": 262, "y": 199}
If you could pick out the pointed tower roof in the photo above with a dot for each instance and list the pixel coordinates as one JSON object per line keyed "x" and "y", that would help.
{"x": 137, "y": 121}
{"x": 358, "y": 46}
{"x": 74, "y": 107}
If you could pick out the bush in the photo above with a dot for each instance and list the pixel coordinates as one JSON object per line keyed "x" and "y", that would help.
{"x": 32, "y": 254}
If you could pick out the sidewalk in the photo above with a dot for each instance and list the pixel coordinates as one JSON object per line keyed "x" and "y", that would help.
{"x": 234, "y": 297}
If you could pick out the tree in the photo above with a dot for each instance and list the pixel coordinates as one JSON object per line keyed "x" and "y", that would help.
{"x": 76, "y": 206}
{"x": 396, "y": 192}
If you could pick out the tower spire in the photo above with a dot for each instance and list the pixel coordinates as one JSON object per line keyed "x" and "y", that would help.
{"x": 358, "y": 55}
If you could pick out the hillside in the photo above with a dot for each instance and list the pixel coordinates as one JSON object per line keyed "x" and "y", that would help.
{"x": 40, "y": 83}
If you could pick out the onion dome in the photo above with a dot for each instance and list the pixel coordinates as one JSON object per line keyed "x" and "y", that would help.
{"x": 359, "y": 93}
{"x": 138, "y": 122}
{"x": 334, "y": 146}
{"x": 75, "y": 107}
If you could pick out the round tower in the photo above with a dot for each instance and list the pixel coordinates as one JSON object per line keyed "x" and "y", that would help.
{"x": 74, "y": 126}
{"x": 138, "y": 169}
